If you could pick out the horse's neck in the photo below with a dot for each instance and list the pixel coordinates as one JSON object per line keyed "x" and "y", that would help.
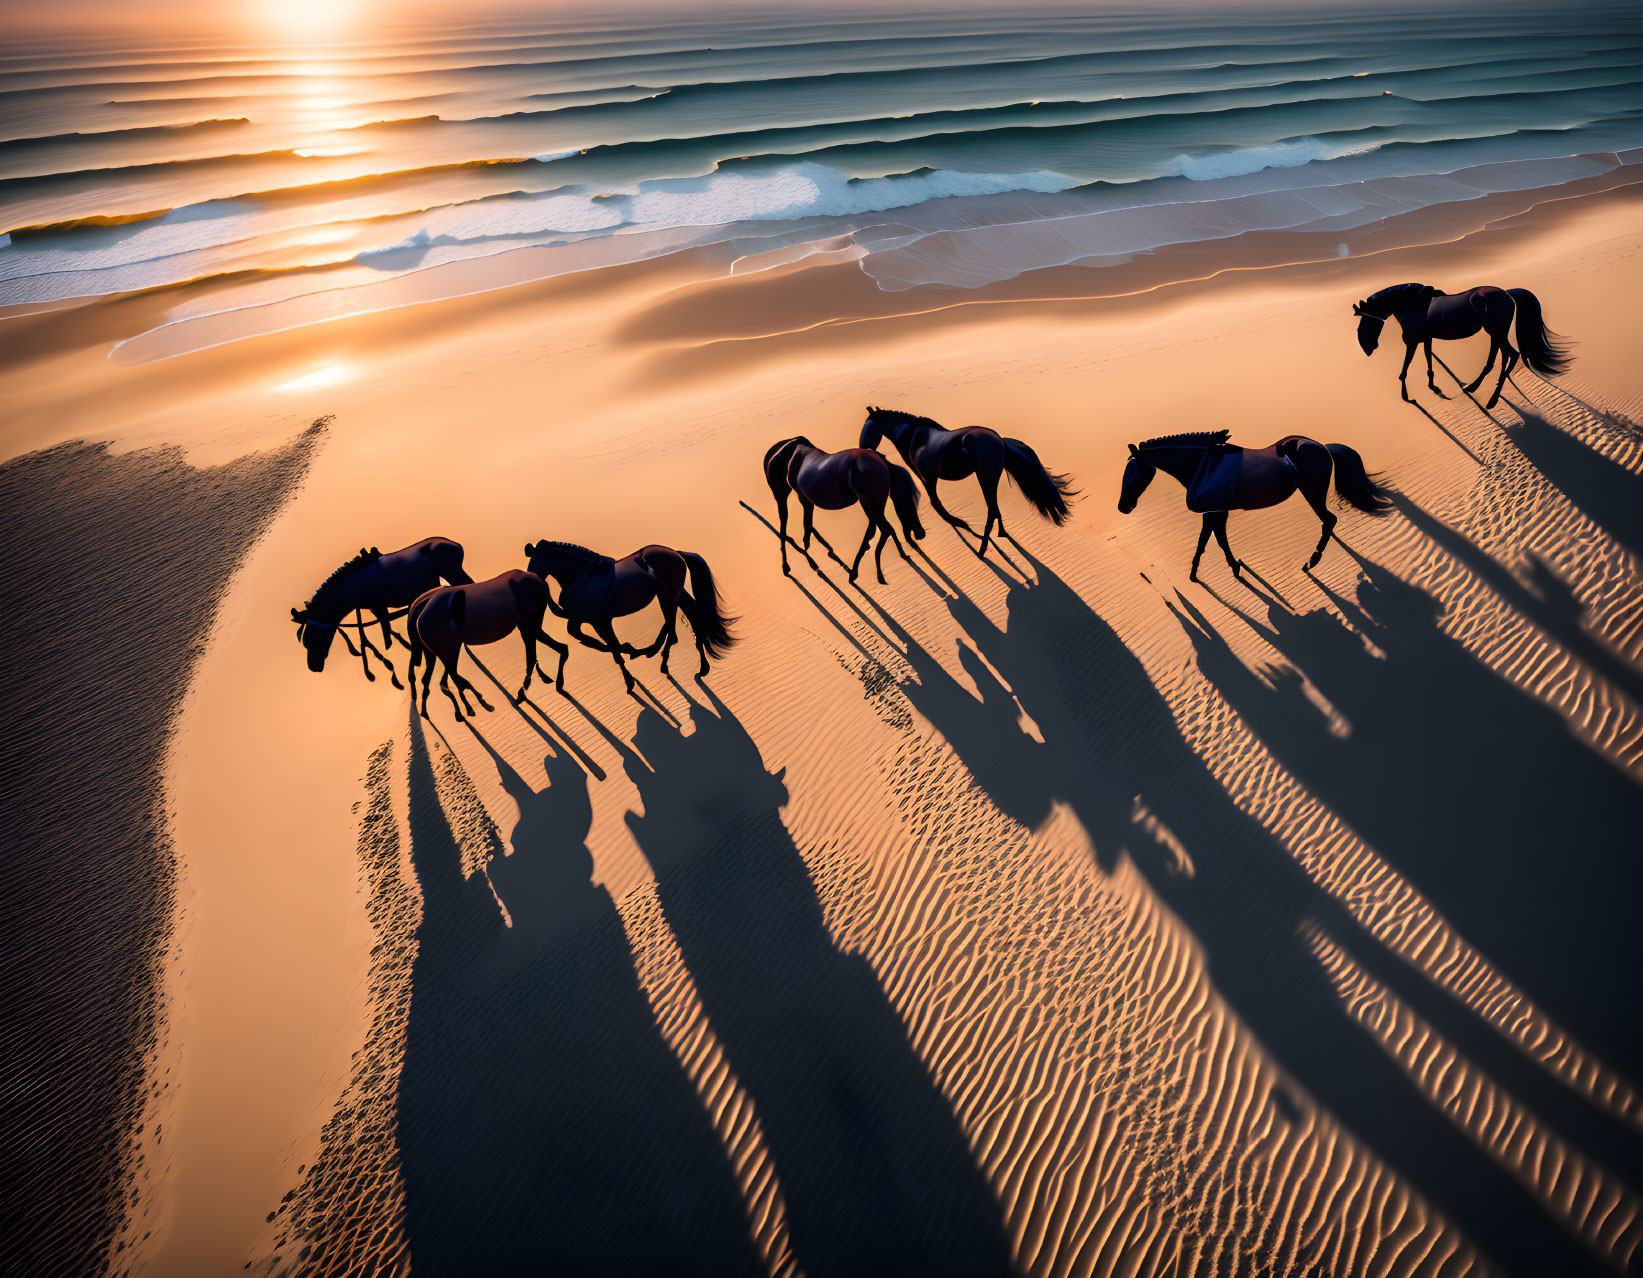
{"x": 1180, "y": 461}
{"x": 573, "y": 571}
{"x": 906, "y": 440}
{"x": 347, "y": 595}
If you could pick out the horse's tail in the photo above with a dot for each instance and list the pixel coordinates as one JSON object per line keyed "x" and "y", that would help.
{"x": 707, "y": 618}
{"x": 904, "y": 492}
{"x": 1356, "y": 486}
{"x": 1047, "y": 490}
{"x": 1541, "y": 348}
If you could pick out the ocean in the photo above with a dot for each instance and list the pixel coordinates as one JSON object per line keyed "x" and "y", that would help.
{"x": 948, "y": 147}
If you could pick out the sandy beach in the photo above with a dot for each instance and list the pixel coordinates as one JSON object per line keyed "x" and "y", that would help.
{"x": 1047, "y": 914}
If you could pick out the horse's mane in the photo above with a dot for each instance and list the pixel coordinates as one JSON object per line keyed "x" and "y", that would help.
{"x": 1188, "y": 437}
{"x": 343, "y": 573}
{"x": 907, "y": 419}
{"x": 592, "y": 556}
{"x": 1397, "y": 294}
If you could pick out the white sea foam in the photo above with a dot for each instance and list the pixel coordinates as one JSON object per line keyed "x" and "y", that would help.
{"x": 1252, "y": 159}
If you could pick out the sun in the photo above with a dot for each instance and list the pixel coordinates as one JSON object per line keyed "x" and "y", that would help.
{"x": 306, "y": 21}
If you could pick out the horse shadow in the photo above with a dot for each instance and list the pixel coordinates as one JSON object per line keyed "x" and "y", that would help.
{"x": 876, "y": 1173}
{"x": 1108, "y": 746}
{"x": 1609, "y": 493}
{"x": 1545, "y": 599}
{"x": 1469, "y": 788}
{"x": 543, "y": 1122}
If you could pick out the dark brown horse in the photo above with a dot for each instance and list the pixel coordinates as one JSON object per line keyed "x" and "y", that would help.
{"x": 445, "y": 618}
{"x": 1424, "y": 313}
{"x": 1221, "y": 477}
{"x": 836, "y": 481}
{"x": 595, "y": 589}
{"x": 376, "y": 583}
{"x": 936, "y": 453}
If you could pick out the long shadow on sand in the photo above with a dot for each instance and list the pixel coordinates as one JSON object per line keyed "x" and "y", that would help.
{"x": 1110, "y": 738}
{"x": 1479, "y": 795}
{"x": 875, "y": 1172}
{"x": 1605, "y": 490}
{"x": 544, "y": 1124}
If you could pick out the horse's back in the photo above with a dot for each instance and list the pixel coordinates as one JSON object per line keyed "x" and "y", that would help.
{"x": 1232, "y": 477}
{"x": 490, "y": 609}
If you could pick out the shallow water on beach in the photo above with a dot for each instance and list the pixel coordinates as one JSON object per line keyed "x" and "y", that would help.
{"x": 1037, "y": 136}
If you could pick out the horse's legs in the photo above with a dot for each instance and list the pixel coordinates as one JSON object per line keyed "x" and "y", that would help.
{"x": 988, "y": 479}
{"x": 1318, "y": 499}
{"x": 930, "y": 482}
{"x": 364, "y": 662}
{"x": 810, "y": 531}
{"x": 369, "y": 648}
{"x": 866, "y": 537}
{"x": 427, "y": 679}
{"x": 670, "y": 626}
{"x": 1403, "y": 373}
{"x": 463, "y": 687}
{"x": 781, "y": 510}
{"x": 527, "y": 633}
{"x": 387, "y": 643}
{"x": 1494, "y": 349}
{"x": 1430, "y": 380}
{"x": 607, "y": 632}
{"x": 445, "y": 687}
{"x": 1203, "y": 540}
{"x": 1219, "y": 528}
{"x": 1508, "y": 361}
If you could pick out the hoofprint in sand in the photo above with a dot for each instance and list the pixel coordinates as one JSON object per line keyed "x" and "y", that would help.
{"x": 1047, "y": 909}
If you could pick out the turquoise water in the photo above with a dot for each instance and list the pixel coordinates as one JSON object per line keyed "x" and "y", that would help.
{"x": 918, "y": 136}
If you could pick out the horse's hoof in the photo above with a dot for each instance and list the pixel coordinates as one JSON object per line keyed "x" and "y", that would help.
{"x": 786, "y": 571}
{"x": 369, "y": 677}
{"x": 399, "y": 685}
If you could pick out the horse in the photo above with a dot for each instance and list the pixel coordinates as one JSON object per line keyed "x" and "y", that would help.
{"x": 446, "y": 617}
{"x": 835, "y": 481}
{"x": 1424, "y": 312}
{"x": 595, "y": 589}
{"x": 376, "y": 583}
{"x": 1220, "y": 477}
{"x": 935, "y": 453}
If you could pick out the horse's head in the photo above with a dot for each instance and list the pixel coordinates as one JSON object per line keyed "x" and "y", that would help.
{"x": 316, "y": 639}
{"x": 1369, "y": 327}
{"x": 904, "y": 492}
{"x": 1138, "y": 474}
{"x": 871, "y": 431}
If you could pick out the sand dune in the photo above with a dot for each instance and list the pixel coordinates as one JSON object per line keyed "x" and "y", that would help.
{"x": 1050, "y": 914}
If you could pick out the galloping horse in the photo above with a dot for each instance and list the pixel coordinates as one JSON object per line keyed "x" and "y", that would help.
{"x": 936, "y": 453}
{"x": 595, "y": 589}
{"x": 1424, "y": 313}
{"x": 374, "y": 582}
{"x": 445, "y": 618}
{"x": 1221, "y": 477}
{"x": 835, "y": 481}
